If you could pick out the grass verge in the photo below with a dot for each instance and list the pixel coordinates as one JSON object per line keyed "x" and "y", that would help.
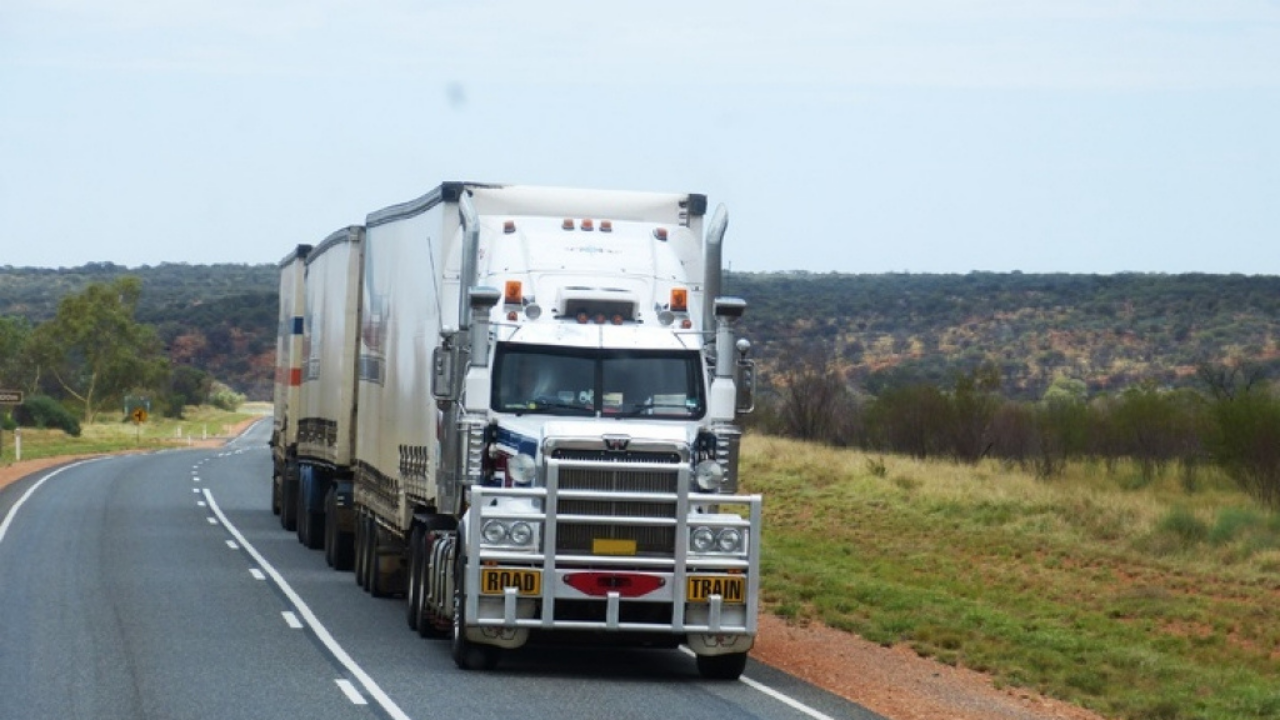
{"x": 1151, "y": 600}
{"x": 198, "y": 424}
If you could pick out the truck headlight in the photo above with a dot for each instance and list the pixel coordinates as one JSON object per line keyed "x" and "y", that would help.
{"x": 522, "y": 470}
{"x": 729, "y": 540}
{"x": 708, "y": 475}
{"x": 516, "y": 534}
{"x": 520, "y": 533}
{"x": 702, "y": 539}
{"x": 494, "y": 532}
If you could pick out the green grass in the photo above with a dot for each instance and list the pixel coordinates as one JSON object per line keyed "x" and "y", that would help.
{"x": 1149, "y": 601}
{"x": 117, "y": 435}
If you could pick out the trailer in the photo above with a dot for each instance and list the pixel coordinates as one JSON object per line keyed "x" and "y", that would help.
{"x": 288, "y": 381}
{"x": 327, "y": 397}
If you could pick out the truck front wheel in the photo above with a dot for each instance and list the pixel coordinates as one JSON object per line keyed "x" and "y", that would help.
{"x": 466, "y": 654}
{"x": 722, "y": 667}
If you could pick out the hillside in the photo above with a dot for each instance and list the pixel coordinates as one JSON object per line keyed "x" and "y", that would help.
{"x": 1109, "y": 330}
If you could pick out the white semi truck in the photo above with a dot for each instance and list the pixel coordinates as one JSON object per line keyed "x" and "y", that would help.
{"x": 546, "y": 437}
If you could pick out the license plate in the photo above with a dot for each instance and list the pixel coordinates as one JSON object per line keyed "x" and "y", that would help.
{"x": 731, "y": 589}
{"x": 495, "y": 581}
{"x": 605, "y": 546}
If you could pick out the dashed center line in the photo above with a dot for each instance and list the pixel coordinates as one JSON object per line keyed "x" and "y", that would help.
{"x": 389, "y": 707}
{"x": 349, "y": 689}
{"x": 292, "y": 620}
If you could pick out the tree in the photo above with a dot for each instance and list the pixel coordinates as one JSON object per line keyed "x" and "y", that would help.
{"x": 95, "y": 349}
{"x": 816, "y": 404}
{"x": 15, "y": 333}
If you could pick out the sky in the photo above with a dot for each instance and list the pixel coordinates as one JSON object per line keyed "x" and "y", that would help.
{"x": 855, "y": 136}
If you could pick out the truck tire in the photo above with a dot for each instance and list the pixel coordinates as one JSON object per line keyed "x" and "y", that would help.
{"x": 722, "y": 667}
{"x": 417, "y": 562}
{"x": 344, "y": 554}
{"x": 360, "y": 556}
{"x": 338, "y": 550}
{"x": 430, "y": 623}
{"x": 330, "y": 528}
{"x": 466, "y": 654}
{"x": 289, "y": 501}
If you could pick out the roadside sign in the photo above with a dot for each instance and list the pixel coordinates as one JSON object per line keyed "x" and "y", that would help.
{"x": 10, "y": 397}
{"x": 139, "y": 415}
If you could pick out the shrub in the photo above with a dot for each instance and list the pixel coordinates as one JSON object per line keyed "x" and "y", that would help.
{"x": 42, "y": 411}
{"x": 224, "y": 398}
{"x": 1246, "y": 442}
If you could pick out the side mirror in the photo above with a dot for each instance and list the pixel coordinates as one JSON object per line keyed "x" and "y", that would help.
{"x": 442, "y": 380}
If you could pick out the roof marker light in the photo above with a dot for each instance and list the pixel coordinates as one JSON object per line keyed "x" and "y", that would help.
{"x": 588, "y": 225}
{"x": 567, "y": 224}
{"x": 679, "y": 300}
{"x": 606, "y": 226}
{"x": 660, "y": 233}
{"x": 509, "y": 227}
{"x": 513, "y": 293}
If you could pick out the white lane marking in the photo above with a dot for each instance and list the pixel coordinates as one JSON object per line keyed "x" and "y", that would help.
{"x": 322, "y": 634}
{"x": 292, "y": 620}
{"x": 13, "y": 512}
{"x": 257, "y": 574}
{"x": 195, "y": 479}
{"x": 232, "y": 544}
{"x": 201, "y": 503}
{"x": 351, "y": 692}
{"x": 212, "y": 520}
{"x": 195, "y": 490}
{"x": 775, "y": 694}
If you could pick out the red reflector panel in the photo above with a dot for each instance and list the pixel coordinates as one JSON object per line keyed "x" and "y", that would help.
{"x": 600, "y": 584}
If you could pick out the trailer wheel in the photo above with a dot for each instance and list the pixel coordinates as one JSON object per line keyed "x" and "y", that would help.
{"x": 275, "y": 493}
{"x": 330, "y": 529}
{"x": 416, "y": 563}
{"x": 722, "y": 667}
{"x": 289, "y": 499}
{"x": 362, "y": 558}
{"x": 466, "y": 654}
{"x": 344, "y": 554}
{"x": 378, "y": 581}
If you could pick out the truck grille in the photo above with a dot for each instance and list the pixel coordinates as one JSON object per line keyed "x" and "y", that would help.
{"x": 599, "y": 477}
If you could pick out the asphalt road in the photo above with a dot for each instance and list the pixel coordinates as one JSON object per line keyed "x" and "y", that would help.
{"x": 162, "y": 586}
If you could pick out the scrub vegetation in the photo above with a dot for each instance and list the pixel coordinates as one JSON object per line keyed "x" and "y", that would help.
{"x": 1136, "y": 596}
{"x": 120, "y": 433}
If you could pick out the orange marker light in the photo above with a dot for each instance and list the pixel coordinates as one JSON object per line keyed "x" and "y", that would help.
{"x": 513, "y": 293}
{"x": 588, "y": 225}
{"x": 679, "y": 300}
{"x": 606, "y": 226}
{"x": 567, "y": 224}
{"x": 509, "y": 227}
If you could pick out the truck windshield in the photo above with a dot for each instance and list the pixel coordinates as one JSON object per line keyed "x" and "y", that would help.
{"x": 610, "y": 383}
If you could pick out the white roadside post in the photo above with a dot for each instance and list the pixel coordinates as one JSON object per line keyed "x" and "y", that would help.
{"x": 9, "y": 398}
